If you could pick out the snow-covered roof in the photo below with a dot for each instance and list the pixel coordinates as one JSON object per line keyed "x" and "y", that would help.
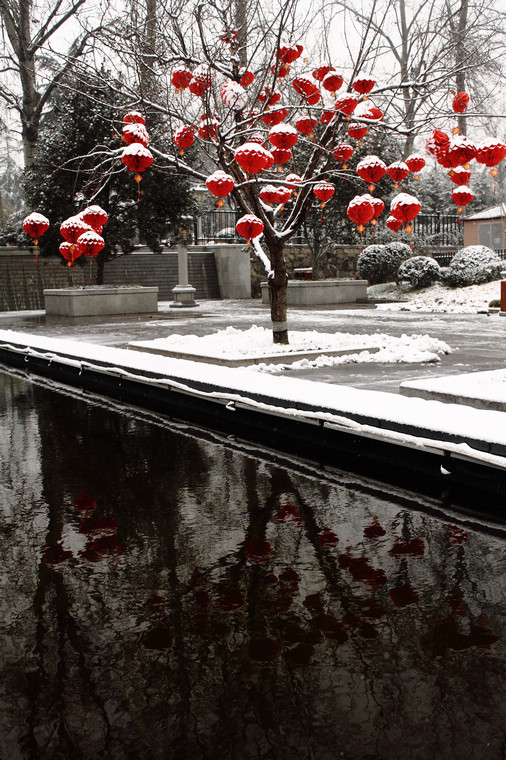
{"x": 496, "y": 212}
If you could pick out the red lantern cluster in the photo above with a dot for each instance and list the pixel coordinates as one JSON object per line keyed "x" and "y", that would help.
{"x": 136, "y": 156}
{"x": 82, "y": 235}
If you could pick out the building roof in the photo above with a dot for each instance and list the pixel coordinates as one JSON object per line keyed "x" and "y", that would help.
{"x": 496, "y": 212}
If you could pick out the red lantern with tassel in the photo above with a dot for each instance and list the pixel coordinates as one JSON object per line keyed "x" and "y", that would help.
{"x": 371, "y": 169}
{"x": 357, "y": 132}
{"x": 346, "y": 104}
{"x": 321, "y": 72}
{"x": 35, "y": 225}
{"x": 135, "y": 133}
{"x": 268, "y": 194}
{"x": 343, "y": 152}
{"x": 183, "y": 138}
{"x": 90, "y": 244}
{"x": 249, "y": 226}
{"x": 415, "y": 163}
{"x": 324, "y": 192}
{"x": 360, "y": 211}
{"x": 73, "y": 227}
{"x": 405, "y": 207}
{"x": 134, "y": 117}
{"x": 95, "y": 216}
{"x": 460, "y": 102}
{"x": 363, "y": 84}
{"x": 397, "y": 171}
{"x": 393, "y": 224}
{"x": 459, "y": 175}
{"x": 462, "y": 195}
{"x": 220, "y": 185}
{"x": 332, "y": 82}
{"x": 283, "y": 136}
{"x": 137, "y": 158}
{"x": 305, "y": 125}
{"x": 181, "y": 78}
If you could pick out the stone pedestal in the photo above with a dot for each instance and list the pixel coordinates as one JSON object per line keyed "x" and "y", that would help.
{"x": 97, "y": 300}
{"x": 184, "y": 293}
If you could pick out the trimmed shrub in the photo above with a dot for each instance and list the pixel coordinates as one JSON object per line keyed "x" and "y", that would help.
{"x": 398, "y": 251}
{"x": 376, "y": 264}
{"x": 419, "y": 271}
{"x": 472, "y": 266}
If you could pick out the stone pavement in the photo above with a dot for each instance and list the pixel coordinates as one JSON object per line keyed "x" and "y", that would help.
{"x": 478, "y": 341}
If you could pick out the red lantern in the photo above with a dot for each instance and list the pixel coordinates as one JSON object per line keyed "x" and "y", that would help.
{"x": 247, "y": 78}
{"x": 271, "y": 118}
{"x": 357, "y": 132}
{"x": 405, "y": 207}
{"x": 249, "y": 227}
{"x": 343, "y": 152}
{"x": 437, "y": 144}
{"x": 363, "y": 84}
{"x": 73, "y": 227}
{"x": 183, "y": 138}
{"x": 220, "y": 185}
{"x": 327, "y": 116}
{"x": 462, "y": 195}
{"x": 208, "y": 128}
{"x": 289, "y": 53}
{"x": 460, "y": 102}
{"x": 268, "y": 194}
{"x": 393, "y": 224}
{"x": 95, "y": 216}
{"x": 90, "y": 243}
{"x": 293, "y": 181}
{"x": 460, "y": 151}
{"x": 332, "y": 82}
{"x": 324, "y": 191}
{"x": 304, "y": 86}
{"x": 252, "y": 158}
{"x": 135, "y": 133}
{"x": 283, "y": 136}
{"x": 459, "y": 175}
{"x": 280, "y": 70}
{"x": 233, "y": 95}
{"x": 491, "y": 152}
{"x": 70, "y": 252}
{"x": 283, "y": 195}
{"x": 201, "y": 80}
{"x": 134, "y": 117}
{"x": 415, "y": 163}
{"x": 377, "y": 205}
{"x": 360, "y": 211}
{"x": 265, "y": 95}
{"x": 397, "y": 172}
{"x": 313, "y": 98}
{"x": 137, "y": 158}
{"x": 346, "y": 104}
{"x": 35, "y": 225}
{"x": 321, "y": 72}
{"x": 371, "y": 169}
{"x": 181, "y": 78}
{"x": 305, "y": 125}
{"x": 281, "y": 156}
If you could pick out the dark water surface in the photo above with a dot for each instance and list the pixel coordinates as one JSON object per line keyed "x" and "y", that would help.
{"x": 167, "y": 593}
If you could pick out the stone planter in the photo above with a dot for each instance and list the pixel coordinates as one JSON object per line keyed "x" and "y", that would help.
{"x": 320, "y": 292}
{"x": 100, "y": 299}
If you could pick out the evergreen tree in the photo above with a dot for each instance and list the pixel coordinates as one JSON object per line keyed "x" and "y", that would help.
{"x": 66, "y": 178}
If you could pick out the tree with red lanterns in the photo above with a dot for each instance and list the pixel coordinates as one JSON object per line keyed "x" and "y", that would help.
{"x": 239, "y": 114}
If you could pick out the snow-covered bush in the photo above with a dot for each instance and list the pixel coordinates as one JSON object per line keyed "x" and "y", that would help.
{"x": 472, "y": 266}
{"x": 419, "y": 271}
{"x": 377, "y": 264}
{"x": 398, "y": 251}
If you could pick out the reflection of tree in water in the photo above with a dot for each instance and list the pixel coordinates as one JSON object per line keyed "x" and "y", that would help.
{"x": 254, "y": 609}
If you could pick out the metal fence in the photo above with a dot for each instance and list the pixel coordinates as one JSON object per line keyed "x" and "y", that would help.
{"x": 216, "y": 226}
{"x": 439, "y": 229}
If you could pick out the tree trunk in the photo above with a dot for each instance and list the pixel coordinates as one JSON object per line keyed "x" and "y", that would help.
{"x": 277, "y": 292}
{"x": 460, "y": 59}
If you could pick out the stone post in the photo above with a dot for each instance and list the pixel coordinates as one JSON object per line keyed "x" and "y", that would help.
{"x": 184, "y": 293}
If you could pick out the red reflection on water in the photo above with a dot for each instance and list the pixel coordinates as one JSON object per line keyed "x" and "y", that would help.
{"x": 258, "y": 549}
{"x": 102, "y": 548}
{"x": 413, "y": 548}
{"x": 55, "y": 555}
{"x": 457, "y": 535}
{"x": 447, "y": 636}
{"x": 85, "y": 502}
{"x": 98, "y": 524}
{"x": 327, "y": 538}
{"x": 263, "y": 651}
{"x": 288, "y": 512}
{"x": 158, "y": 638}
{"x": 404, "y": 595}
{"x": 375, "y": 530}
{"x": 232, "y": 599}
{"x": 361, "y": 570}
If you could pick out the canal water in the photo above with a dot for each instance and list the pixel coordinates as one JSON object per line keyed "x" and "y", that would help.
{"x": 170, "y": 593}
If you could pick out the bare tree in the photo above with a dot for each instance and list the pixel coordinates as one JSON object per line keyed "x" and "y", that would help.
{"x": 31, "y": 69}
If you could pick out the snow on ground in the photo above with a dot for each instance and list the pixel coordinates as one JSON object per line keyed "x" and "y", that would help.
{"x": 256, "y": 342}
{"x": 437, "y": 298}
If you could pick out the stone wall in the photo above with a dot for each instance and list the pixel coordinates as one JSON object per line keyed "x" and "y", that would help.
{"x": 340, "y": 262}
